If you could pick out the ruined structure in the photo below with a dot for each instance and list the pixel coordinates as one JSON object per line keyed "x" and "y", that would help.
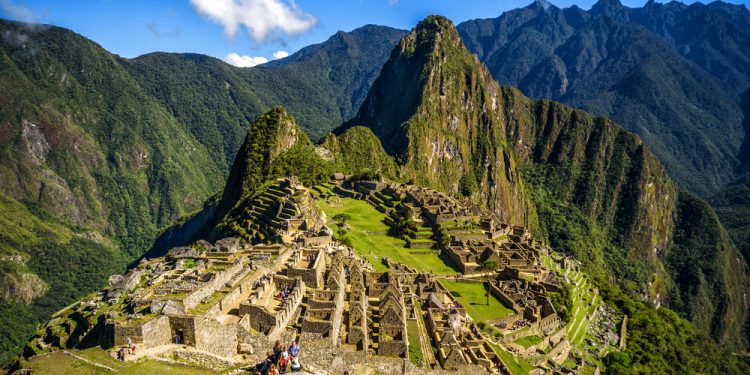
{"x": 235, "y": 297}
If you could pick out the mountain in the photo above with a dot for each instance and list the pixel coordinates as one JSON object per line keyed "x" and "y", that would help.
{"x": 444, "y": 124}
{"x": 670, "y": 73}
{"x": 590, "y": 187}
{"x": 714, "y": 36}
{"x": 92, "y": 167}
{"x": 101, "y": 153}
{"x": 321, "y": 84}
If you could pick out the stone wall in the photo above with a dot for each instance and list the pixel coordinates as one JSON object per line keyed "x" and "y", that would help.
{"x": 258, "y": 318}
{"x": 392, "y": 348}
{"x": 184, "y": 324}
{"x": 203, "y": 360}
{"x": 503, "y": 297}
{"x": 122, "y": 333}
{"x": 194, "y": 298}
{"x": 215, "y": 337}
{"x": 290, "y": 308}
{"x": 339, "y": 308}
{"x": 157, "y": 332}
{"x": 313, "y": 275}
{"x": 233, "y": 297}
{"x": 319, "y": 328}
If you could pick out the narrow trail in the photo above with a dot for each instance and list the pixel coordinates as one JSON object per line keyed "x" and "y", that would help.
{"x": 89, "y": 361}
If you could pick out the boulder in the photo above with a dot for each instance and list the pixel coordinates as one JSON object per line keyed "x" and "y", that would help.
{"x": 172, "y": 308}
{"x": 205, "y": 245}
{"x": 182, "y": 252}
{"x": 227, "y": 245}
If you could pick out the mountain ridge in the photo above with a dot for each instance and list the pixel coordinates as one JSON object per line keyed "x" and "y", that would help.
{"x": 678, "y": 100}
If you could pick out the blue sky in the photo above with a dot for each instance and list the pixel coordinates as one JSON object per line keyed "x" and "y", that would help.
{"x": 253, "y": 30}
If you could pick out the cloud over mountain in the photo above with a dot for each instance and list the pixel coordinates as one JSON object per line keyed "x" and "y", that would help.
{"x": 262, "y": 18}
{"x": 244, "y": 61}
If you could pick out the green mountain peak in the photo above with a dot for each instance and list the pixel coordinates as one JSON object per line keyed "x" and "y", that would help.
{"x": 435, "y": 108}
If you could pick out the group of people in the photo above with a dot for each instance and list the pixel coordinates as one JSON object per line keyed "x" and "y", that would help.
{"x": 131, "y": 350}
{"x": 281, "y": 360}
{"x": 283, "y": 294}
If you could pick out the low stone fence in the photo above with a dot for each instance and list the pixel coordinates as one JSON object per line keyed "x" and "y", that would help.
{"x": 220, "y": 279}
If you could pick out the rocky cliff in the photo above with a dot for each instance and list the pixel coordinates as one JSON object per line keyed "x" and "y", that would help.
{"x": 435, "y": 108}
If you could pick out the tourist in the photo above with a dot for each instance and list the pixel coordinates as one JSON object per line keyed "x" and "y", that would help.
{"x": 130, "y": 345}
{"x": 121, "y": 354}
{"x": 132, "y": 349}
{"x": 276, "y": 351}
{"x": 283, "y": 360}
{"x": 294, "y": 350}
{"x": 264, "y": 366}
{"x": 177, "y": 338}
{"x": 272, "y": 370}
{"x": 296, "y": 367}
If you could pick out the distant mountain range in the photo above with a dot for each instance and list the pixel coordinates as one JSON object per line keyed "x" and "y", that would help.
{"x": 671, "y": 73}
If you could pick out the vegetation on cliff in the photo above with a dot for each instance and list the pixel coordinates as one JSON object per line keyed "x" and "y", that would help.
{"x": 592, "y": 188}
{"x": 667, "y": 71}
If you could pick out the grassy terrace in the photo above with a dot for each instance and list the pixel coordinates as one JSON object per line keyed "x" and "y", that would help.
{"x": 59, "y": 363}
{"x": 584, "y": 303}
{"x": 369, "y": 241}
{"x": 517, "y": 366}
{"x": 471, "y": 296}
{"x": 528, "y": 341}
{"x": 415, "y": 344}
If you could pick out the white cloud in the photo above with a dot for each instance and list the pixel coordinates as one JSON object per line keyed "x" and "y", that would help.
{"x": 244, "y": 61}
{"x": 260, "y": 17}
{"x": 280, "y": 54}
{"x": 17, "y": 12}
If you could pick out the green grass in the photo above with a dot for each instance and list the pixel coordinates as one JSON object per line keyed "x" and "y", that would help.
{"x": 365, "y": 221}
{"x": 516, "y": 366}
{"x": 415, "y": 343}
{"x": 472, "y": 297}
{"x": 528, "y": 341}
{"x": 204, "y": 306}
{"x": 59, "y": 363}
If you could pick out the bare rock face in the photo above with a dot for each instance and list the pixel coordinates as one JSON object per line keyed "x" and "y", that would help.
{"x": 22, "y": 287}
{"x": 172, "y": 308}
{"x": 182, "y": 252}
{"x": 36, "y": 143}
{"x": 227, "y": 245}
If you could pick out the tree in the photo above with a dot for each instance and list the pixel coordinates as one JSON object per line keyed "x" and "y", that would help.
{"x": 341, "y": 218}
{"x": 489, "y": 265}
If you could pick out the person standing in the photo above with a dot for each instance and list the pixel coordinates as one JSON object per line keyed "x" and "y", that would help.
{"x": 294, "y": 349}
{"x": 283, "y": 360}
{"x": 276, "y": 352}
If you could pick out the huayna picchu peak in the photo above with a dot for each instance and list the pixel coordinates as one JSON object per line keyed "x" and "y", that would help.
{"x": 389, "y": 206}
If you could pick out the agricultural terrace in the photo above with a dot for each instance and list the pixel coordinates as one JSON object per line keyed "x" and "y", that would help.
{"x": 585, "y": 302}
{"x": 369, "y": 237}
{"x": 472, "y": 297}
